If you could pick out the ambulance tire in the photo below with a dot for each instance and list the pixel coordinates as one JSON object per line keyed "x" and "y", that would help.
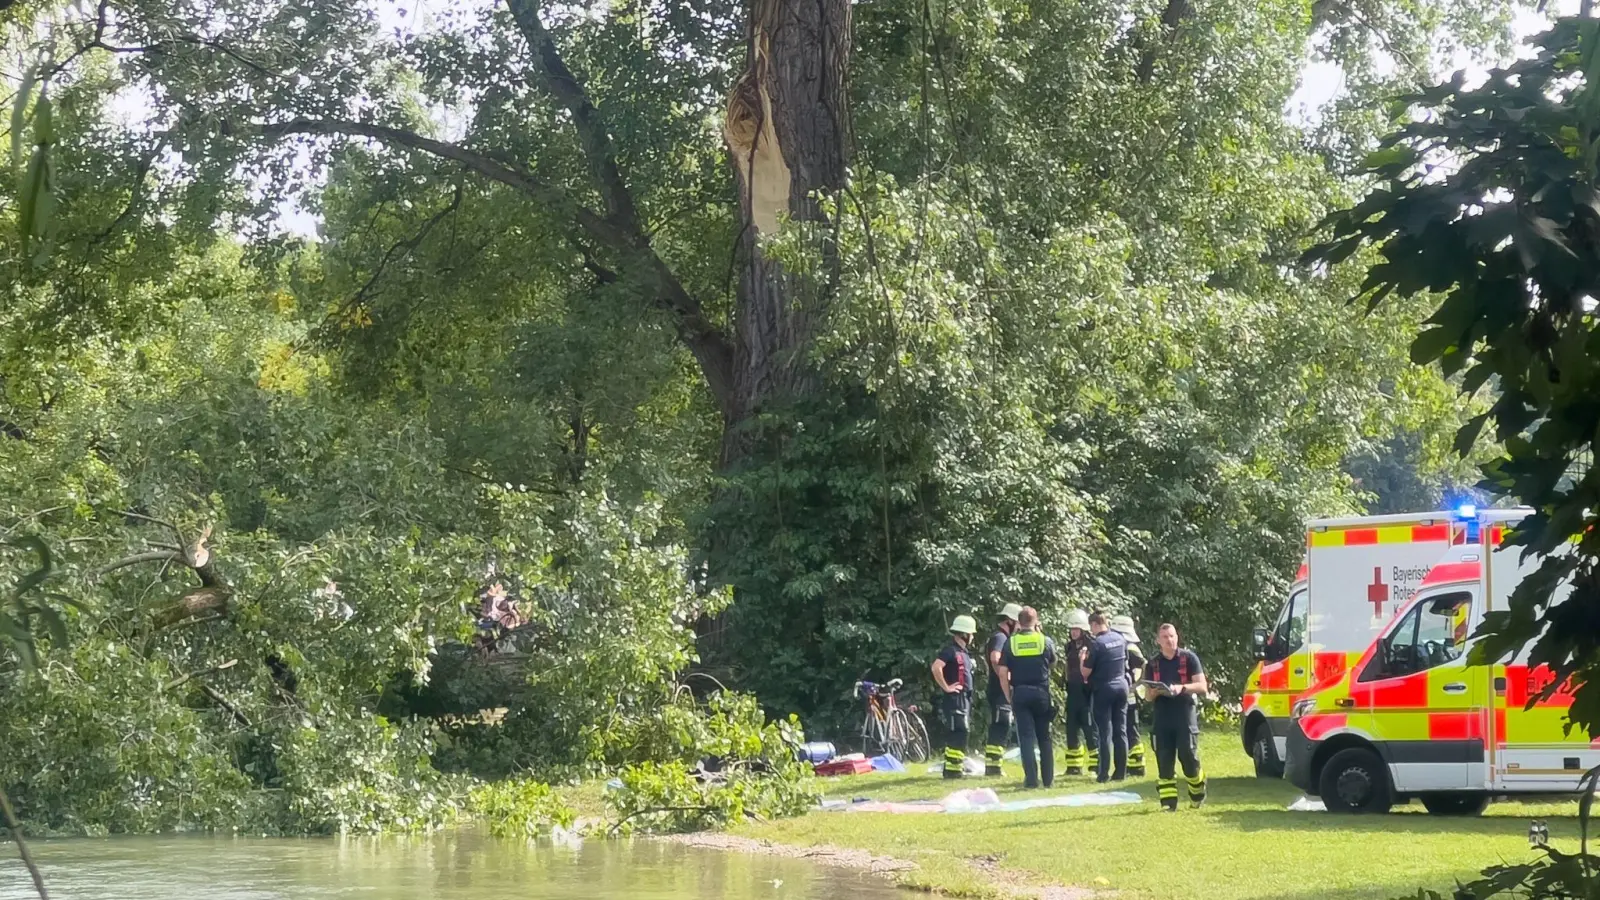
{"x": 1265, "y": 754}
{"x": 1463, "y": 804}
{"x": 1356, "y": 781}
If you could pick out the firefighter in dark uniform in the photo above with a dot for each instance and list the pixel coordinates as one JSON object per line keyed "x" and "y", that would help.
{"x": 1176, "y": 726}
{"x": 1025, "y": 673}
{"x": 1123, "y": 625}
{"x": 1082, "y": 742}
{"x": 1000, "y": 714}
{"x": 952, "y": 672}
{"x": 1105, "y": 667}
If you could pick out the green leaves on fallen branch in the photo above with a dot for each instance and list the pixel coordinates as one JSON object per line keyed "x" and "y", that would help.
{"x": 27, "y": 605}
{"x": 36, "y": 188}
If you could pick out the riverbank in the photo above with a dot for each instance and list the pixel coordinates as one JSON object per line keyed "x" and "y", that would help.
{"x": 1245, "y": 844}
{"x": 986, "y": 877}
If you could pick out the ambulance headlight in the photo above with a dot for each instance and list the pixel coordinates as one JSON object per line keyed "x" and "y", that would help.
{"x": 1303, "y": 708}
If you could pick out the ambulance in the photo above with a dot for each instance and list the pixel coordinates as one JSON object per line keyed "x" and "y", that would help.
{"x": 1357, "y": 573}
{"x": 1414, "y": 718}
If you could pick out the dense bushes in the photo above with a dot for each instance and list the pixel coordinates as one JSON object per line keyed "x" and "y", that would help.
{"x": 730, "y": 764}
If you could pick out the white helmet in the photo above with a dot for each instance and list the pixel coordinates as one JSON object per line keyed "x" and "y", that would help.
{"x": 1011, "y": 611}
{"x": 964, "y": 625}
{"x": 1123, "y": 625}
{"x": 1078, "y": 619}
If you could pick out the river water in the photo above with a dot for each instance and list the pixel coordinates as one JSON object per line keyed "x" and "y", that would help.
{"x": 452, "y": 866}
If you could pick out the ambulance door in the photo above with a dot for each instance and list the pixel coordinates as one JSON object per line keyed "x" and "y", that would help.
{"x": 1426, "y": 707}
{"x": 1532, "y": 751}
{"x": 1285, "y": 672}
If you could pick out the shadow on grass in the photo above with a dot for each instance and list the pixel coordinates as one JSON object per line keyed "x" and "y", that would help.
{"x": 1396, "y": 823}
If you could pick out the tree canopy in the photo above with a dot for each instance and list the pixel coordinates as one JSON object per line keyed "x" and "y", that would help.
{"x": 684, "y": 343}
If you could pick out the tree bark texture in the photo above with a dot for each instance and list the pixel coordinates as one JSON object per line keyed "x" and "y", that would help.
{"x": 787, "y": 130}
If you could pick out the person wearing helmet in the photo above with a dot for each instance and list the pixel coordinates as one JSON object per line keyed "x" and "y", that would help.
{"x": 1000, "y": 716}
{"x": 1123, "y": 625}
{"x": 1083, "y": 747}
{"x": 952, "y": 672}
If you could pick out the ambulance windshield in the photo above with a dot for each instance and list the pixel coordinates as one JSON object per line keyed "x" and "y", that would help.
{"x": 1289, "y": 633}
{"x": 1433, "y": 632}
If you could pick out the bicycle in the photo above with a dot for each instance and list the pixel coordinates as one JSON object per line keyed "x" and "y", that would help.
{"x": 889, "y": 728}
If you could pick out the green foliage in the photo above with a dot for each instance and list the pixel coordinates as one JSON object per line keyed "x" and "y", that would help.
{"x": 1491, "y": 197}
{"x": 1555, "y": 875}
{"x": 520, "y": 807}
{"x": 93, "y": 746}
{"x": 757, "y": 775}
{"x": 254, "y": 677}
{"x": 359, "y": 774}
{"x": 28, "y": 603}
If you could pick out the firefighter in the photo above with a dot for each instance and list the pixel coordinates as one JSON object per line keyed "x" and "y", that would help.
{"x": 1025, "y": 674}
{"x": 1176, "y": 725}
{"x": 952, "y": 672}
{"x": 1123, "y": 625}
{"x": 1000, "y": 714}
{"x": 1082, "y": 742}
{"x": 1105, "y": 668}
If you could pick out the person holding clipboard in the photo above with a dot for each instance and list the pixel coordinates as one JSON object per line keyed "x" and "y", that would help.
{"x": 1173, "y": 681}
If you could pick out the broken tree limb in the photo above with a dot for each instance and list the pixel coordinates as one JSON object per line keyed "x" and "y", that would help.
{"x": 182, "y": 680}
{"x": 128, "y": 513}
{"x": 138, "y": 558}
{"x": 22, "y": 846}
{"x": 217, "y": 698}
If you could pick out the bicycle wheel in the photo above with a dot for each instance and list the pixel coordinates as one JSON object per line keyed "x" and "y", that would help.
{"x": 869, "y": 731}
{"x": 916, "y": 746}
{"x": 895, "y": 734}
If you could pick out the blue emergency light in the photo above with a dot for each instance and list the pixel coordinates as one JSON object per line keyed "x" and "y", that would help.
{"x": 1467, "y": 511}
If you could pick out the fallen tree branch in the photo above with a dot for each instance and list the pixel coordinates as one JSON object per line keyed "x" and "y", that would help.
{"x": 128, "y": 513}
{"x": 218, "y": 699}
{"x": 138, "y": 558}
{"x": 617, "y": 826}
{"x": 182, "y": 680}
{"x": 22, "y": 846}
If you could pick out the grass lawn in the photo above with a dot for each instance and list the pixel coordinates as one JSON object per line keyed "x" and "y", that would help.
{"x": 1243, "y": 844}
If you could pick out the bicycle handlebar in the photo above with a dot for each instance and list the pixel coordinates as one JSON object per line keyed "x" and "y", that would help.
{"x": 889, "y": 688}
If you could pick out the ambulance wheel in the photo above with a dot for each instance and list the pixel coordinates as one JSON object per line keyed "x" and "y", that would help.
{"x": 1265, "y": 754}
{"x": 1356, "y": 781}
{"x": 1463, "y": 804}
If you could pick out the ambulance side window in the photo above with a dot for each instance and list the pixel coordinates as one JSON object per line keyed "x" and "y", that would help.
{"x": 1432, "y": 633}
{"x": 1289, "y": 634}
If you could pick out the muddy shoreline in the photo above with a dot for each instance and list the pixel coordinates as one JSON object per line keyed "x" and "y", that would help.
{"x": 1004, "y": 881}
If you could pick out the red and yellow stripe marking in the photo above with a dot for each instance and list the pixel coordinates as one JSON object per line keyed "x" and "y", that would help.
{"x": 1384, "y": 534}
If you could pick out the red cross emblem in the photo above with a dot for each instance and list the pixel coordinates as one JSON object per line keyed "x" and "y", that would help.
{"x": 1377, "y": 592}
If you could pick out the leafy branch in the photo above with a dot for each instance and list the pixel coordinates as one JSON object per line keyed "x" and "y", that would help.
{"x": 1492, "y": 198}
{"x": 16, "y": 630}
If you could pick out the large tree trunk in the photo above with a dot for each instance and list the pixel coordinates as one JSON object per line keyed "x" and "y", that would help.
{"x": 787, "y": 130}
